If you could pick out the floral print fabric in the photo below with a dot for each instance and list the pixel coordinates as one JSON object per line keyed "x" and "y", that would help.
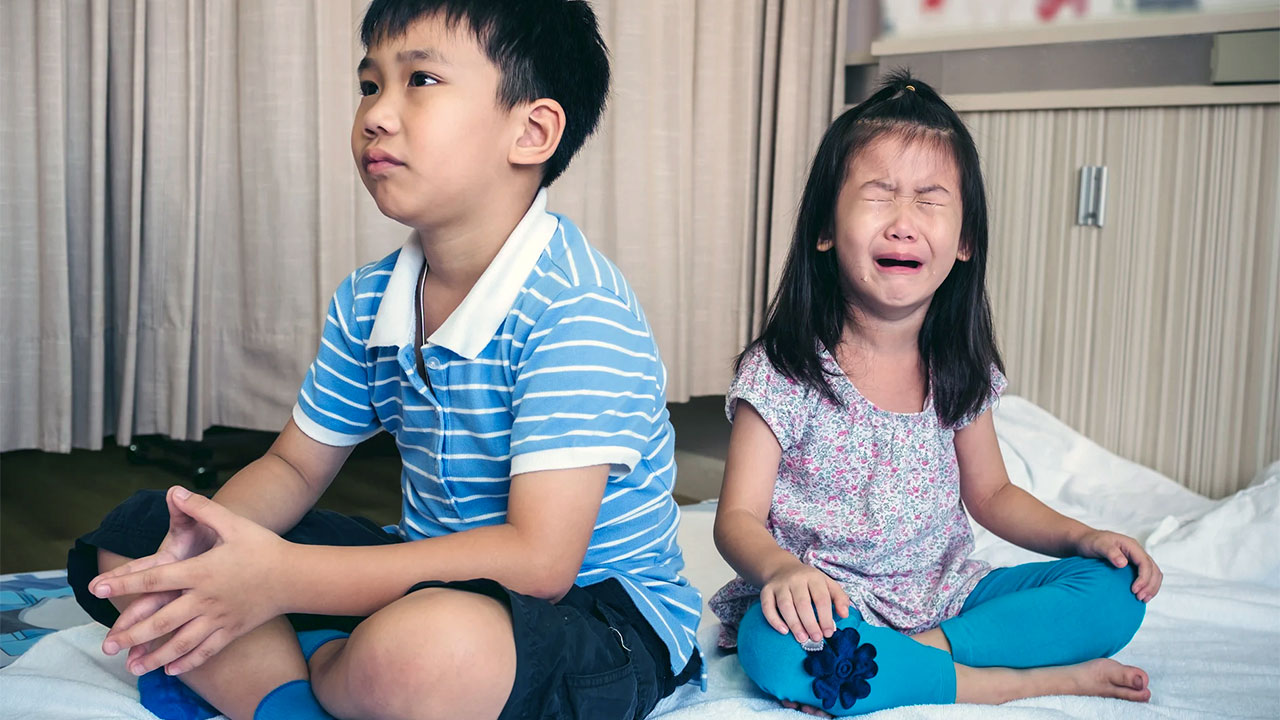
{"x": 868, "y": 496}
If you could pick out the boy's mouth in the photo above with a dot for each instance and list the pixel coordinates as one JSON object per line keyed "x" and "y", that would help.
{"x": 377, "y": 162}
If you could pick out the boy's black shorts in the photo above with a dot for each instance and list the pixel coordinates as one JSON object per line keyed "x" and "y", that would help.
{"x": 591, "y": 655}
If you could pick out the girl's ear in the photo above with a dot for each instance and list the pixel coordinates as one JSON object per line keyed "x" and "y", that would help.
{"x": 963, "y": 254}
{"x": 825, "y": 243}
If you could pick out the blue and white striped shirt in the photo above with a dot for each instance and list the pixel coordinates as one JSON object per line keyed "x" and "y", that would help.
{"x": 548, "y": 363}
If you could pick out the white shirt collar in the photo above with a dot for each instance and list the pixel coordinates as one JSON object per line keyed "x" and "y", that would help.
{"x": 472, "y": 325}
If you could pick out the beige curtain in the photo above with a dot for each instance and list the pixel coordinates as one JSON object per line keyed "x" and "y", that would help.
{"x": 177, "y": 197}
{"x": 176, "y": 204}
{"x": 692, "y": 183}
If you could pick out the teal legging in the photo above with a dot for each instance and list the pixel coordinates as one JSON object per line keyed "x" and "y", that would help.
{"x": 1034, "y": 615}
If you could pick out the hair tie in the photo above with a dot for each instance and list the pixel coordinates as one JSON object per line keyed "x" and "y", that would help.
{"x": 912, "y": 88}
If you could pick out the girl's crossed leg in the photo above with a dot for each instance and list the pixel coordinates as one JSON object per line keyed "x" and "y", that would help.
{"x": 1034, "y": 629}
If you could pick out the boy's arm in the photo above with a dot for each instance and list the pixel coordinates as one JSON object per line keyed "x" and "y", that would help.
{"x": 277, "y": 489}
{"x": 538, "y": 551}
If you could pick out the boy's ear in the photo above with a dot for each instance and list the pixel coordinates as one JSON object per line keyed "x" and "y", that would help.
{"x": 541, "y": 125}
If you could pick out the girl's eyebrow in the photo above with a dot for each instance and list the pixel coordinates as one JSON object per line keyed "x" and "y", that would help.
{"x": 880, "y": 184}
{"x": 932, "y": 188}
{"x": 890, "y": 187}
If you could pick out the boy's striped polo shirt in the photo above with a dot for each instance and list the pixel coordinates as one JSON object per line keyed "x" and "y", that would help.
{"x": 548, "y": 363}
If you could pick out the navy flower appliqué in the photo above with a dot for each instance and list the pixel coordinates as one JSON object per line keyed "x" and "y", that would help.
{"x": 841, "y": 669}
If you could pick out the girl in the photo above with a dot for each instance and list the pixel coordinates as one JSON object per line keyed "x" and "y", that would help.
{"x": 862, "y": 432}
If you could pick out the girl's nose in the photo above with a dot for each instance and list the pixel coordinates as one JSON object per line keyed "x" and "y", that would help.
{"x": 901, "y": 228}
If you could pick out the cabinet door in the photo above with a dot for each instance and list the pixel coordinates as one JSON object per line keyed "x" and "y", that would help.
{"x": 1155, "y": 335}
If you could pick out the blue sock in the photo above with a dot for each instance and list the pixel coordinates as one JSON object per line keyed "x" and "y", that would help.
{"x": 169, "y": 699}
{"x": 311, "y": 640}
{"x": 291, "y": 701}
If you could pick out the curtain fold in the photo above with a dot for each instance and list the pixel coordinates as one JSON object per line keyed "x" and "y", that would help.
{"x": 692, "y": 182}
{"x": 178, "y": 200}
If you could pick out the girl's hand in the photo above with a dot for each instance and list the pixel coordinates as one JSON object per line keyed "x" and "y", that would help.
{"x": 1120, "y": 550}
{"x": 790, "y": 597}
{"x": 223, "y": 593}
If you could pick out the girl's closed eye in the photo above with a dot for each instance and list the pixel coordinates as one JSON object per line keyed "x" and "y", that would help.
{"x": 421, "y": 79}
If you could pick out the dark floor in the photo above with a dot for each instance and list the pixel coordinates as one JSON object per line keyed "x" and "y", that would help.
{"x": 49, "y": 499}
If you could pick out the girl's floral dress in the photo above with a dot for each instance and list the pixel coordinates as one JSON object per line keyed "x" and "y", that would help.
{"x": 869, "y": 497}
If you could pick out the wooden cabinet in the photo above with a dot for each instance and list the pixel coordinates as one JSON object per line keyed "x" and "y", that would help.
{"x": 1158, "y": 334}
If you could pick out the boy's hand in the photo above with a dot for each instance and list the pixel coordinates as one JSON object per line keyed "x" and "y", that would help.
{"x": 186, "y": 539}
{"x": 1120, "y": 550}
{"x": 790, "y": 597}
{"x": 222, "y": 593}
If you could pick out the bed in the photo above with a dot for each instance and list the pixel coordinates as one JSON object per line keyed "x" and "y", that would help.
{"x": 1211, "y": 639}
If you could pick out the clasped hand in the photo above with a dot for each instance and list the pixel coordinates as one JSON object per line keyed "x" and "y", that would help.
{"x": 213, "y": 579}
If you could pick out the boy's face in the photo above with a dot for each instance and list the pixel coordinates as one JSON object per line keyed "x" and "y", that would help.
{"x": 429, "y": 135}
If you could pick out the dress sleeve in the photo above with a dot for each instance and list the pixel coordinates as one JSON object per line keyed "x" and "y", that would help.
{"x": 998, "y": 385}
{"x": 784, "y": 403}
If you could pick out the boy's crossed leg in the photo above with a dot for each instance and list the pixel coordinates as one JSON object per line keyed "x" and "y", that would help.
{"x": 435, "y": 653}
{"x": 237, "y": 679}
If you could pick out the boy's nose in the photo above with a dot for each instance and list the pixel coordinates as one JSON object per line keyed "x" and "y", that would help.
{"x": 380, "y": 118}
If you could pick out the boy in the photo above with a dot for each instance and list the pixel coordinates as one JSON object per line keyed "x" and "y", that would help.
{"x": 535, "y": 571}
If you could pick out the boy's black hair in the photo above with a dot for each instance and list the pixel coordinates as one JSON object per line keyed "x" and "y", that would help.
{"x": 957, "y": 341}
{"x": 542, "y": 49}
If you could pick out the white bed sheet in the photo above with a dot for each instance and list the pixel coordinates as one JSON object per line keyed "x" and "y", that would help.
{"x": 1210, "y": 641}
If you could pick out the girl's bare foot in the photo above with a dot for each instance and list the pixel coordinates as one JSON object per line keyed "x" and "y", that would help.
{"x": 806, "y": 709}
{"x": 1097, "y": 678}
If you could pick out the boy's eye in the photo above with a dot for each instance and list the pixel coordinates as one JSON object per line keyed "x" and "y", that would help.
{"x": 368, "y": 87}
{"x": 421, "y": 79}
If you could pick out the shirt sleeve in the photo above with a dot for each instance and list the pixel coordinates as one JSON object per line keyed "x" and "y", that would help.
{"x": 589, "y": 386}
{"x": 998, "y": 385}
{"x": 334, "y": 405}
{"x": 782, "y": 402}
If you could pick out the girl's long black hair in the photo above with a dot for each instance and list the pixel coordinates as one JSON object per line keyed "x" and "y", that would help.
{"x": 810, "y": 309}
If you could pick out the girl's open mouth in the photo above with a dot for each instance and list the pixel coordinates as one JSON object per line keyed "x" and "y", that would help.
{"x": 896, "y": 263}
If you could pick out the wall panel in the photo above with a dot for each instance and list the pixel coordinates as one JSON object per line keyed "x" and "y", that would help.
{"x": 1155, "y": 335}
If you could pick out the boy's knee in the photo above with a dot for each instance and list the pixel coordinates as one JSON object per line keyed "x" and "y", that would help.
{"x": 443, "y": 652}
